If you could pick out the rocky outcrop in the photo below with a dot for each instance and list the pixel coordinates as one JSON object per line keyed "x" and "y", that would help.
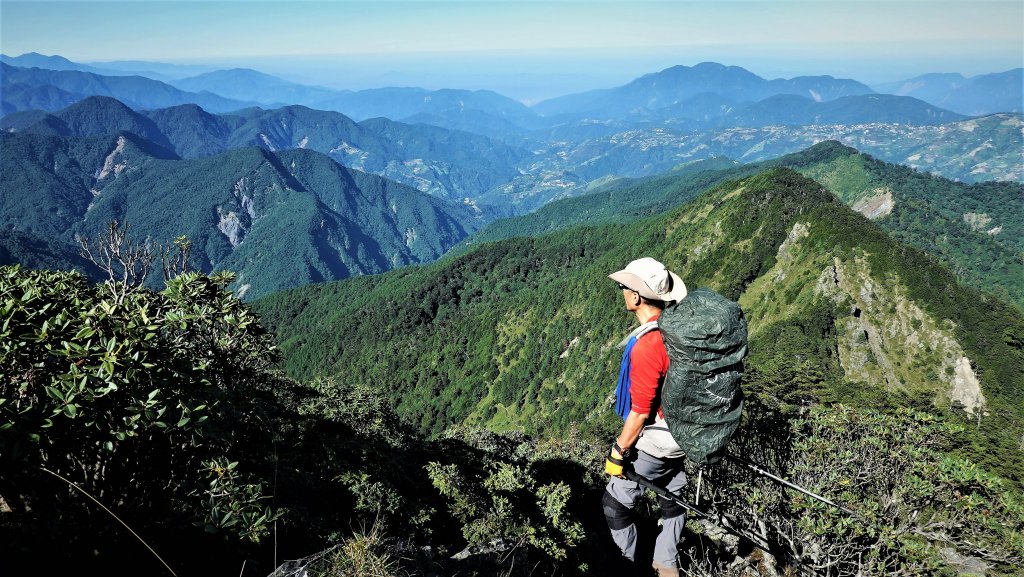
{"x": 114, "y": 163}
{"x": 785, "y": 256}
{"x": 231, "y": 227}
{"x": 979, "y": 222}
{"x": 888, "y": 338}
{"x": 877, "y": 205}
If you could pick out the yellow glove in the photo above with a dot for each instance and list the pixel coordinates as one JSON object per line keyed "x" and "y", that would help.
{"x": 615, "y": 462}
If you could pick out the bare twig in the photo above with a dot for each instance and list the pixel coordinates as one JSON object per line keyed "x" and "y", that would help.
{"x": 141, "y": 540}
{"x": 175, "y": 258}
{"x": 125, "y": 262}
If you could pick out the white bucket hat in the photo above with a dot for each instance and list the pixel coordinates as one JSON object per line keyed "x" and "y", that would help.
{"x": 651, "y": 279}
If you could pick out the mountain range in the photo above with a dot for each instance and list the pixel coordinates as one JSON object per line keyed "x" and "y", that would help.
{"x": 22, "y": 88}
{"x": 57, "y": 62}
{"x": 974, "y": 150}
{"x": 450, "y": 164}
{"x": 700, "y": 97}
{"x": 161, "y": 71}
{"x": 254, "y": 86}
{"x": 975, "y": 230}
{"x": 706, "y": 95}
{"x": 977, "y": 95}
{"x": 487, "y": 178}
{"x": 679, "y": 83}
{"x": 277, "y": 219}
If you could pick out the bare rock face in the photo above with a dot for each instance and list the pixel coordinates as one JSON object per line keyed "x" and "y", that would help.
{"x": 243, "y": 192}
{"x": 888, "y": 338}
{"x": 114, "y": 163}
{"x": 876, "y": 206}
{"x": 979, "y": 222}
{"x": 785, "y": 254}
{"x": 231, "y": 227}
{"x": 966, "y": 388}
{"x": 964, "y": 564}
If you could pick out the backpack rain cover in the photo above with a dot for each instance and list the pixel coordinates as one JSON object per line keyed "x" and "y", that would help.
{"x": 705, "y": 337}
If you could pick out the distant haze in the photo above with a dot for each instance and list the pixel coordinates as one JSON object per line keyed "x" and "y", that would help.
{"x": 528, "y": 50}
{"x": 531, "y": 77}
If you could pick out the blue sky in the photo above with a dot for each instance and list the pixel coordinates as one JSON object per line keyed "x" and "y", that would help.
{"x": 529, "y": 47}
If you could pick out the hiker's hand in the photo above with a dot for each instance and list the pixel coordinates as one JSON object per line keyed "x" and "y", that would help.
{"x": 616, "y": 462}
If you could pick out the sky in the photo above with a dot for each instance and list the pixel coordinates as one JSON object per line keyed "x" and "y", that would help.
{"x": 527, "y": 49}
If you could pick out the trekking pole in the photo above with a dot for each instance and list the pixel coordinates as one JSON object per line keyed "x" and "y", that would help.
{"x": 761, "y": 471}
{"x": 700, "y": 479}
{"x": 718, "y": 520}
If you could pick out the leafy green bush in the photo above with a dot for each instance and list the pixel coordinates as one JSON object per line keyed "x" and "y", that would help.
{"x": 921, "y": 510}
{"x": 134, "y": 399}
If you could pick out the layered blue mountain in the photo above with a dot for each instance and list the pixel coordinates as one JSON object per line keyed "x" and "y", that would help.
{"x": 978, "y": 95}
{"x": 56, "y": 62}
{"x": 446, "y": 163}
{"x": 135, "y": 91}
{"x": 481, "y": 111}
{"x": 254, "y": 86}
{"x": 152, "y": 69}
{"x": 701, "y": 97}
{"x": 155, "y": 70}
{"x": 678, "y": 83}
{"x": 277, "y": 219}
{"x": 792, "y": 110}
{"x": 19, "y": 96}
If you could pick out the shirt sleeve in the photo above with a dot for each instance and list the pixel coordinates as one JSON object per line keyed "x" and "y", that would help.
{"x": 647, "y": 369}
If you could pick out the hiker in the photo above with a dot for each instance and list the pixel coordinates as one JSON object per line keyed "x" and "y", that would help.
{"x": 645, "y": 443}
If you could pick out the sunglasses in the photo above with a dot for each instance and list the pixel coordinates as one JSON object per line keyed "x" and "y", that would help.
{"x": 625, "y": 288}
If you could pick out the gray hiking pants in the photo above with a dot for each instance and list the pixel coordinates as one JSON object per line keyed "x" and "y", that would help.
{"x": 620, "y": 499}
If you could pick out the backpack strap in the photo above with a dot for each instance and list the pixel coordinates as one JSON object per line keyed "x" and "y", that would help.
{"x": 622, "y": 397}
{"x": 639, "y": 332}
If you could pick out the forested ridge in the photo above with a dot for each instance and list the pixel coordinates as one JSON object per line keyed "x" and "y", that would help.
{"x": 928, "y": 212}
{"x": 448, "y": 163}
{"x": 276, "y": 219}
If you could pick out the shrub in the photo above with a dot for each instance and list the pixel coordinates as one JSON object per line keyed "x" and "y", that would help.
{"x": 136, "y": 397}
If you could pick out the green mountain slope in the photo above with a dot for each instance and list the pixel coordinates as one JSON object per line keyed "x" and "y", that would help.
{"x": 278, "y": 220}
{"x": 33, "y": 251}
{"x": 521, "y": 334}
{"x": 91, "y": 116}
{"x": 192, "y": 131}
{"x": 49, "y": 181}
{"x": 975, "y": 230}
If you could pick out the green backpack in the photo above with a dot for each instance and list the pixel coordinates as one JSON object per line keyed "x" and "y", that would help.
{"x": 705, "y": 337}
